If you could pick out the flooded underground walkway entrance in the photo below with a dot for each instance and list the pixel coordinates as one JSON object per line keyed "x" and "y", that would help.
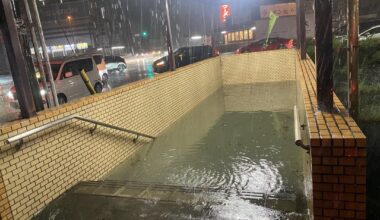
{"x": 232, "y": 157}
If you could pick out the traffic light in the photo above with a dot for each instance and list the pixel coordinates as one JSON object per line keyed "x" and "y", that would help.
{"x": 144, "y": 34}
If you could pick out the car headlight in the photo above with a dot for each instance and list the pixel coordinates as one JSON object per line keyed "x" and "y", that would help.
{"x": 161, "y": 63}
{"x": 10, "y": 95}
{"x": 43, "y": 92}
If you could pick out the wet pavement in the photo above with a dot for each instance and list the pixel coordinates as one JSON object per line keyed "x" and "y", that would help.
{"x": 137, "y": 68}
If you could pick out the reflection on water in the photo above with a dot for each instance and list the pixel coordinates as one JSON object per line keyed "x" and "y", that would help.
{"x": 238, "y": 151}
{"x": 242, "y": 151}
{"x": 211, "y": 164}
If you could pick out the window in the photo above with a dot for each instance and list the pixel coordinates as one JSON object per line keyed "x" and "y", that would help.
{"x": 242, "y": 35}
{"x": 54, "y": 69}
{"x": 77, "y": 66}
{"x": 374, "y": 31}
{"x": 98, "y": 59}
{"x": 114, "y": 59}
{"x": 237, "y": 36}
{"x": 250, "y": 33}
{"x": 246, "y": 35}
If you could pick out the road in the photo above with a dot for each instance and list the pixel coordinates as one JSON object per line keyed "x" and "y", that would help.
{"x": 137, "y": 68}
{"x": 6, "y": 112}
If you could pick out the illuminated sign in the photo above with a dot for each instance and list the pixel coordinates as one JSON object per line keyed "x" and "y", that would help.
{"x": 287, "y": 9}
{"x": 225, "y": 12}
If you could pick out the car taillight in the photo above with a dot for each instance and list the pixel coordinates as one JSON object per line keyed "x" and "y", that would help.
{"x": 290, "y": 44}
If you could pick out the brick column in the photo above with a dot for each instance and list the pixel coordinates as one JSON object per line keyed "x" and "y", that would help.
{"x": 339, "y": 177}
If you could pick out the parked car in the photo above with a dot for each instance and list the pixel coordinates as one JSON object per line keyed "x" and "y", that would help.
{"x": 67, "y": 79}
{"x": 115, "y": 64}
{"x": 185, "y": 56}
{"x": 261, "y": 45}
{"x": 372, "y": 33}
{"x": 367, "y": 30}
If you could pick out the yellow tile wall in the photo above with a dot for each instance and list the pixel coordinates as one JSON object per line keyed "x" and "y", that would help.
{"x": 52, "y": 161}
{"x": 266, "y": 66}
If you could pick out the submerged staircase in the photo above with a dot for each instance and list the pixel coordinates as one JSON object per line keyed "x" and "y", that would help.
{"x": 136, "y": 200}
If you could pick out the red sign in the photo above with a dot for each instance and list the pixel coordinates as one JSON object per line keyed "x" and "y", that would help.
{"x": 225, "y": 12}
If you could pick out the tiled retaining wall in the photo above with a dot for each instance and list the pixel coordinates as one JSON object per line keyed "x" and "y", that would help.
{"x": 51, "y": 162}
{"x": 266, "y": 97}
{"x": 266, "y": 66}
{"x": 338, "y": 151}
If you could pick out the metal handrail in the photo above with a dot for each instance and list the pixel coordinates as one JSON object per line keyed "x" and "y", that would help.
{"x": 297, "y": 131}
{"x": 20, "y": 138}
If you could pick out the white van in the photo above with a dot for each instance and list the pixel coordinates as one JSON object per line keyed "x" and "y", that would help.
{"x": 69, "y": 83}
{"x": 67, "y": 79}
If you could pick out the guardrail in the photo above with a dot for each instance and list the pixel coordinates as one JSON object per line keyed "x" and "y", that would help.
{"x": 20, "y": 138}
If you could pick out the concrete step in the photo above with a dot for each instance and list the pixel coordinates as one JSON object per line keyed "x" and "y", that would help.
{"x": 285, "y": 201}
{"x": 122, "y": 200}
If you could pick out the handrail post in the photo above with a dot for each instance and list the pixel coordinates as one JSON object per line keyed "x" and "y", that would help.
{"x": 297, "y": 132}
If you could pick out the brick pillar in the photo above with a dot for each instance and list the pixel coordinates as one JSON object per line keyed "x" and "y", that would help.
{"x": 339, "y": 177}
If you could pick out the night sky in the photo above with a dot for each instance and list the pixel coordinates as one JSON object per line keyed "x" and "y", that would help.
{"x": 130, "y": 17}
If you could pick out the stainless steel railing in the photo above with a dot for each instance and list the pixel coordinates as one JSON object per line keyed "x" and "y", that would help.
{"x": 20, "y": 138}
{"x": 297, "y": 131}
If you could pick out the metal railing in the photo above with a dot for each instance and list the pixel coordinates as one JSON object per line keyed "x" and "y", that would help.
{"x": 20, "y": 138}
{"x": 297, "y": 131}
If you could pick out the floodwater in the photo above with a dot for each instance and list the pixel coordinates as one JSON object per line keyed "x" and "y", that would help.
{"x": 232, "y": 157}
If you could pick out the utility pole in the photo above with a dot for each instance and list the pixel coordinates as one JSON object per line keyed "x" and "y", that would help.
{"x": 353, "y": 57}
{"x": 44, "y": 50}
{"x": 324, "y": 54}
{"x": 171, "y": 58}
{"x": 37, "y": 51}
{"x": 16, "y": 60}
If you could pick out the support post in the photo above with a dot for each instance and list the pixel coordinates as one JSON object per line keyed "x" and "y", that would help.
{"x": 171, "y": 59}
{"x": 324, "y": 54}
{"x": 298, "y": 25}
{"x": 36, "y": 51}
{"x": 44, "y": 50}
{"x": 302, "y": 29}
{"x": 16, "y": 60}
{"x": 298, "y": 20}
{"x": 353, "y": 57}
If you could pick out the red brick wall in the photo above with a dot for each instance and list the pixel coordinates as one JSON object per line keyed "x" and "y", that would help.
{"x": 339, "y": 180}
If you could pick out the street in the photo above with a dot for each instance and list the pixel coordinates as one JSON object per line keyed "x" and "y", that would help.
{"x": 137, "y": 68}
